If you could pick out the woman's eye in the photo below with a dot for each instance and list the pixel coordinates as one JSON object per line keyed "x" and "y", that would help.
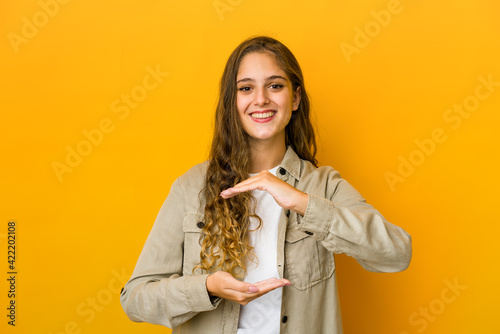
{"x": 276, "y": 86}
{"x": 244, "y": 89}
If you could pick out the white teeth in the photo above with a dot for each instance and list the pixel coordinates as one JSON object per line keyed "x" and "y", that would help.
{"x": 263, "y": 115}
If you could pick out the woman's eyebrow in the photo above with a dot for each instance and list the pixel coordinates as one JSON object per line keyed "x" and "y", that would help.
{"x": 272, "y": 77}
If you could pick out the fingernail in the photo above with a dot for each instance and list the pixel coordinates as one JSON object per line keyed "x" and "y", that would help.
{"x": 253, "y": 289}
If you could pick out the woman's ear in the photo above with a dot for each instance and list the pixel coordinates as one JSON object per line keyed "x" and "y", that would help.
{"x": 296, "y": 99}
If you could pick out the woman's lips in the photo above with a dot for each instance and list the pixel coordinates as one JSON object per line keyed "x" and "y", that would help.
{"x": 263, "y": 116}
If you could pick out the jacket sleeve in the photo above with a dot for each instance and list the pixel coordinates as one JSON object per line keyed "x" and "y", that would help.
{"x": 157, "y": 292}
{"x": 345, "y": 223}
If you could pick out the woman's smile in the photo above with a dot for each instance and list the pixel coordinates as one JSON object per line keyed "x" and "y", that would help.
{"x": 263, "y": 116}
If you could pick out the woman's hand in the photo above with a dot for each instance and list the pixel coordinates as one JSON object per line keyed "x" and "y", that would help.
{"x": 224, "y": 285}
{"x": 284, "y": 194}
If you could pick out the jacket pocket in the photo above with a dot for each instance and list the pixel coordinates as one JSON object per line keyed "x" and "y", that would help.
{"x": 192, "y": 226}
{"x": 307, "y": 261}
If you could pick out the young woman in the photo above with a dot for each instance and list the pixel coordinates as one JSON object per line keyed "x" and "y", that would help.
{"x": 245, "y": 242}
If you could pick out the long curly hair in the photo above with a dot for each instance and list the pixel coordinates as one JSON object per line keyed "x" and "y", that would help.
{"x": 226, "y": 245}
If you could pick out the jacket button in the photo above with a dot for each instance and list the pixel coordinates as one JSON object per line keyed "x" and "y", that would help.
{"x": 200, "y": 224}
{"x": 284, "y": 319}
{"x": 282, "y": 171}
{"x": 309, "y": 233}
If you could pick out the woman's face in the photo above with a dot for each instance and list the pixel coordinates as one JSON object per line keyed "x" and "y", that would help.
{"x": 265, "y": 98}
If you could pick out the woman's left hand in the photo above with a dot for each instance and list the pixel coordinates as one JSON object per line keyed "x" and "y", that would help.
{"x": 284, "y": 194}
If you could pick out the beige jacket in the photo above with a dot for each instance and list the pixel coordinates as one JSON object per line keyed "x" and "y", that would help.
{"x": 164, "y": 291}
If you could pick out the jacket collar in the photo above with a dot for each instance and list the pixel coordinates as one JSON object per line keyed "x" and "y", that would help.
{"x": 291, "y": 163}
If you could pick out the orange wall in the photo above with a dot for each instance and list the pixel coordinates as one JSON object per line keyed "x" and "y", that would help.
{"x": 387, "y": 81}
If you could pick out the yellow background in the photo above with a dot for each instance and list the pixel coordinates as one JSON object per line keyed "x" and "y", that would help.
{"x": 79, "y": 234}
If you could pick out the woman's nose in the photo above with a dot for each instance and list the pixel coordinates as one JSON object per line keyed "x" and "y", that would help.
{"x": 261, "y": 97}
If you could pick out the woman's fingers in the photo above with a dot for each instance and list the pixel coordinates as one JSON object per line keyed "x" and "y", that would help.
{"x": 261, "y": 181}
{"x": 247, "y": 185}
{"x": 227, "y": 281}
{"x": 272, "y": 280}
{"x": 284, "y": 194}
{"x": 224, "y": 285}
{"x": 230, "y": 192}
{"x": 271, "y": 285}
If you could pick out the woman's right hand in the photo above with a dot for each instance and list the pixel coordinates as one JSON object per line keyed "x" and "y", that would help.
{"x": 224, "y": 285}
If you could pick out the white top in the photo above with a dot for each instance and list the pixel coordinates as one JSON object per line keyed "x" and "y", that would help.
{"x": 262, "y": 315}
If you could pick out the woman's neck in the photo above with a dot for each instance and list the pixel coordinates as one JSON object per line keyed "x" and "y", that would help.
{"x": 265, "y": 156}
